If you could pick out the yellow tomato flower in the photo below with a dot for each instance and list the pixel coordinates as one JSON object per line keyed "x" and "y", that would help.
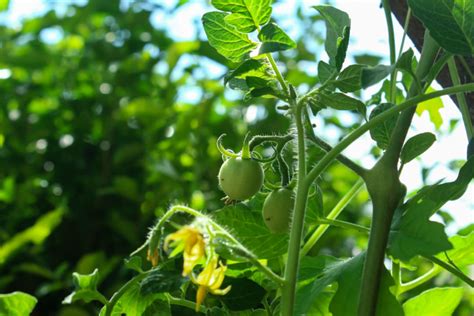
{"x": 191, "y": 242}
{"x": 209, "y": 280}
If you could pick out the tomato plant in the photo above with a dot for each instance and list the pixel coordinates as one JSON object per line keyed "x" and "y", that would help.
{"x": 261, "y": 251}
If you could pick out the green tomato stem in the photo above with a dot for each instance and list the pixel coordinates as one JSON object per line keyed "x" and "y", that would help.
{"x": 278, "y": 74}
{"x": 453, "y": 71}
{"x": 385, "y": 189}
{"x": 405, "y": 31}
{"x": 393, "y": 86}
{"x": 428, "y": 56}
{"x": 343, "y": 224}
{"x": 279, "y": 139}
{"x": 396, "y": 274}
{"x": 451, "y": 269}
{"x": 297, "y": 224}
{"x": 326, "y": 147}
{"x": 333, "y": 214}
{"x": 405, "y": 287}
{"x": 245, "y": 147}
{"x": 438, "y": 266}
{"x": 391, "y": 36}
{"x": 391, "y": 42}
{"x": 185, "y": 303}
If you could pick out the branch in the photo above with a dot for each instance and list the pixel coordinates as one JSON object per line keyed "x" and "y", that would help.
{"x": 349, "y": 139}
{"x": 333, "y": 214}
{"x": 326, "y": 147}
{"x": 451, "y": 269}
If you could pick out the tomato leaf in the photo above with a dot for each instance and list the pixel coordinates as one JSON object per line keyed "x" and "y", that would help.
{"x": 249, "y": 228}
{"x": 17, "y": 304}
{"x": 244, "y": 294}
{"x": 225, "y": 38}
{"x": 246, "y": 14}
{"x": 416, "y": 145}
{"x": 349, "y": 80}
{"x": 325, "y": 71}
{"x": 336, "y": 22}
{"x": 347, "y": 273}
{"x": 438, "y": 301}
{"x": 338, "y": 101}
{"x": 413, "y": 233}
{"x": 342, "y": 44}
{"x": 404, "y": 62}
{"x": 134, "y": 263}
{"x": 159, "y": 281}
{"x": 450, "y": 22}
{"x": 461, "y": 253}
{"x": 381, "y": 132}
{"x": 135, "y": 303}
{"x": 373, "y": 75}
{"x": 274, "y": 39}
{"x": 260, "y": 68}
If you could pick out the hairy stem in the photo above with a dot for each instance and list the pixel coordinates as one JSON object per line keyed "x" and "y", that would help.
{"x": 297, "y": 225}
{"x": 326, "y": 147}
{"x": 343, "y": 224}
{"x": 185, "y": 303}
{"x": 278, "y": 74}
{"x": 333, "y": 214}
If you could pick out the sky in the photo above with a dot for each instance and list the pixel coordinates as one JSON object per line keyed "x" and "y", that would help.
{"x": 368, "y": 35}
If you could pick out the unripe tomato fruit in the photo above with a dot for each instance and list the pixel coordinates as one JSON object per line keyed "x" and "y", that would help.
{"x": 240, "y": 178}
{"x": 277, "y": 210}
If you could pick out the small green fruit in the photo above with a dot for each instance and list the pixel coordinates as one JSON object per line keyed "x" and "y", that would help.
{"x": 277, "y": 210}
{"x": 240, "y": 178}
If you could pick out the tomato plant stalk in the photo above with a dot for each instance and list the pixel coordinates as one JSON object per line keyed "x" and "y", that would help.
{"x": 386, "y": 191}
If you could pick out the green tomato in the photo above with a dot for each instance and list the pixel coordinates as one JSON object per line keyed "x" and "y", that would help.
{"x": 240, "y": 178}
{"x": 277, "y": 210}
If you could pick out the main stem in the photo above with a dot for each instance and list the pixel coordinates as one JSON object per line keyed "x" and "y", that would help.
{"x": 296, "y": 234}
{"x": 386, "y": 191}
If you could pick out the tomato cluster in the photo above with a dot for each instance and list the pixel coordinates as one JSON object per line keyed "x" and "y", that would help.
{"x": 241, "y": 176}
